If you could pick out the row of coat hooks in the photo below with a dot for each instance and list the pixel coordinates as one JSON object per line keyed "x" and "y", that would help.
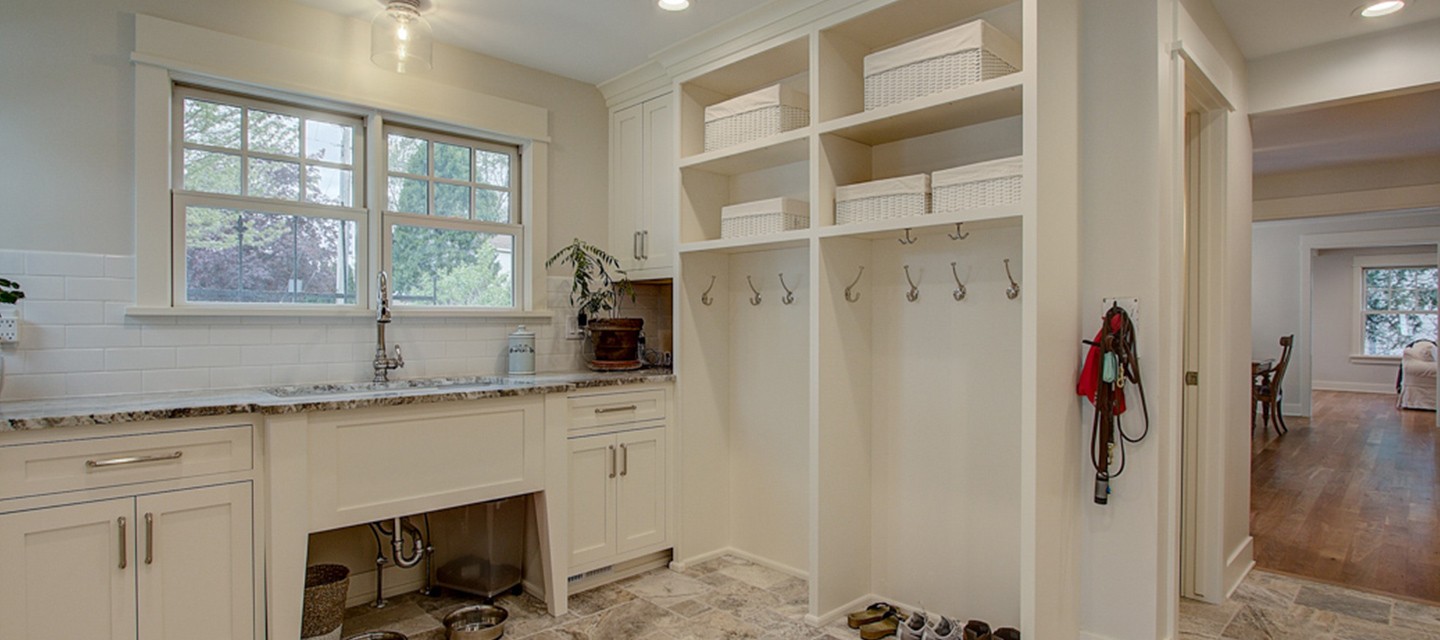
{"x": 789, "y": 298}
{"x": 913, "y": 295}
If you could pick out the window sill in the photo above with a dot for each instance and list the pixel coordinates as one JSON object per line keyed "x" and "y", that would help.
{"x": 1386, "y": 360}
{"x": 347, "y": 312}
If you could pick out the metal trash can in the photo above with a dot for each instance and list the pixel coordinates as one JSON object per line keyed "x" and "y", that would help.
{"x": 324, "y": 610}
{"x": 480, "y": 548}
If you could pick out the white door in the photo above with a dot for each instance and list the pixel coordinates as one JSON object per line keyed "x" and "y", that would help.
{"x": 627, "y": 184}
{"x": 592, "y": 499}
{"x": 640, "y": 489}
{"x": 68, "y": 572}
{"x": 195, "y": 564}
{"x": 662, "y": 207}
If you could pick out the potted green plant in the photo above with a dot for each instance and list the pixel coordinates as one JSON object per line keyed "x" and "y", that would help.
{"x": 10, "y": 293}
{"x": 597, "y": 285}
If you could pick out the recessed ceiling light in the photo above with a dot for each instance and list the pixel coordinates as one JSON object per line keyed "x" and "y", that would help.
{"x": 1381, "y": 8}
{"x": 674, "y": 5}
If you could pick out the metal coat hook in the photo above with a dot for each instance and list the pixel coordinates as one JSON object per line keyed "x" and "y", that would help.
{"x": 1014, "y": 291}
{"x": 705, "y": 298}
{"x": 756, "y": 299}
{"x": 959, "y": 286}
{"x": 789, "y": 295}
{"x": 907, "y": 240}
{"x": 850, "y": 295}
{"x": 914, "y": 293}
{"x": 957, "y": 235}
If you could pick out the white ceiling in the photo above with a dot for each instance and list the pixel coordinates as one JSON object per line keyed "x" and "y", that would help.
{"x": 1266, "y": 27}
{"x": 1390, "y": 128}
{"x": 588, "y": 40}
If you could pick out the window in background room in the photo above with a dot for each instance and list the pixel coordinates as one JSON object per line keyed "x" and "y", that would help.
{"x": 267, "y": 205}
{"x": 451, "y": 221}
{"x": 1398, "y": 306}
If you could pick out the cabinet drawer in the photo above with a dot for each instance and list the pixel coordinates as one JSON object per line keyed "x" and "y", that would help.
{"x": 91, "y": 463}
{"x": 601, "y": 409}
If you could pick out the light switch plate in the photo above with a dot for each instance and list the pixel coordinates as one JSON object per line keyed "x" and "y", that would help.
{"x": 572, "y": 328}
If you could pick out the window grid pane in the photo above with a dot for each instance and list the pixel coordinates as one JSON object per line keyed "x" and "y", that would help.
{"x": 242, "y": 256}
{"x": 1400, "y": 305}
{"x": 449, "y": 267}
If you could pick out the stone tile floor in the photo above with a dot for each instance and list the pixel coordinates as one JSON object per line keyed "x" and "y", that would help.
{"x": 735, "y": 599}
{"x": 1271, "y": 606}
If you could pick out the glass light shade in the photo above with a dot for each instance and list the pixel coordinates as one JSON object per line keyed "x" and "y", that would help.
{"x": 1382, "y": 8}
{"x": 400, "y": 39}
{"x": 674, "y": 5}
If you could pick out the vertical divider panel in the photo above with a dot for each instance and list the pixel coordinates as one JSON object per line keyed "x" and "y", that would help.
{"x": 842, "y": 426}
{"x": 703, "y": 363}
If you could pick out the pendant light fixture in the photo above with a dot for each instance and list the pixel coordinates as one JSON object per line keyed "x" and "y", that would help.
{"x": 400, "y": 38}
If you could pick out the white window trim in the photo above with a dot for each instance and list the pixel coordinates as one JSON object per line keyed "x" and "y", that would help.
{"x": 1360, "y": 264}
{"x": 167, "y": 52}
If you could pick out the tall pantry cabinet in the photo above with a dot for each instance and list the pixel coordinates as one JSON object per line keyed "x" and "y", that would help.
{"x": 642, "y": 188}
{"x": 885, "y": 408}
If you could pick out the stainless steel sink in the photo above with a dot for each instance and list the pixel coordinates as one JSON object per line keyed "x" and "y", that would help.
{"x": 298, "y": 391}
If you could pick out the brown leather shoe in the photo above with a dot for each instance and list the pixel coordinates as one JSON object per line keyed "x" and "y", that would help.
{"x": 978, "y": 630}
{"x": 1007, "y": 633}
{"x": 882, "y": 628}
{"x": 872, "y": 613}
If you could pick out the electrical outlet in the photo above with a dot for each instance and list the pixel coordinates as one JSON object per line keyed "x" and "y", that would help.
{"x": 572, "y": 328}
{"x": 9, "y": 330}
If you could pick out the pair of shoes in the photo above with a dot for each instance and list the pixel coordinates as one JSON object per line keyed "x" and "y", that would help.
{"x": 873, "y": 613}
{"x": 978, "y": 630}
{"x": 886, "y": 626}
{"x": 1007, "y": 633}
{"x": 918, "y": 627}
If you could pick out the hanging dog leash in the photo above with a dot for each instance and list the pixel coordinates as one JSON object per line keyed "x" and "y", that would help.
{"x": 1109, "y": 364}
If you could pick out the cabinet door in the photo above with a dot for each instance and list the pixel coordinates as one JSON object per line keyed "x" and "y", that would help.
{"x": 640, "y": 489}
{"x": 592, "y": 499}
{"x": 61, "y": 573}
{"x": 195, "y": 564}
{"x": 662, "y": 207}
{"x": 627, "y": 184}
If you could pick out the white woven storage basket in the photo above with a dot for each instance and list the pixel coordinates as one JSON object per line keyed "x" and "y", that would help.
{"x": 967, "y": 54}
{"x": 979, "y": 185}
{"x": 883, "y": 199}
{"x": 764, "y": 217}
{"x": 758, "y": 114}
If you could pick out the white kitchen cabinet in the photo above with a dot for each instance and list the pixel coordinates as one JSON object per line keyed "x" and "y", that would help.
{"x": 162, "y": 566}
{"x": 617, "y": 495}
{"x": 643, "y": 200}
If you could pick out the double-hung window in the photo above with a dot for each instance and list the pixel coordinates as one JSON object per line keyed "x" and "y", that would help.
{"x": 268, "y": 204}
{"x": 1397, "y": 306}
{"x": 451, "y": 220}
{"x": 269, "y": 209}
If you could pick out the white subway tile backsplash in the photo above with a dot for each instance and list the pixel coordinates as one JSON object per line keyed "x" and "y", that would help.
{"x": 76, "y": 338}
{"x": 103, "y": 335}
{"x": 103, "y": 383}
{"x": 207, "y": 356}
{"x": 45, "y": 263}
{"x": 63, "y": 312}
{"x": 139, "y": 358}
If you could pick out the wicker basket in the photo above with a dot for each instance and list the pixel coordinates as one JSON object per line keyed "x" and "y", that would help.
{"x": 323, "y": 611}
{"x": 764, "y": 217}
{"x": 977, "y": 186}
{"x": 883, "y": 199}
{"x": 759, "y": 114}
{"x": 953, "y": 58}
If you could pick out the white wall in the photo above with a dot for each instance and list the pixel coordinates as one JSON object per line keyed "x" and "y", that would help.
{"x": 1276, "y": 285}
{"x": 67, "y": 122}
{"x": 1392, "y": 60}
{"x": 1334, "y": 309}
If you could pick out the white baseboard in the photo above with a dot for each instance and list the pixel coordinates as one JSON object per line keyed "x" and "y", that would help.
{"x": 1354, "y": 387}
{"x": 1238, "y": 565}
{"x": 854, "y": 605}
{"x": 682, "y": 565}
{"x": 362, "y": 586}
{"x": 685, "y": 564}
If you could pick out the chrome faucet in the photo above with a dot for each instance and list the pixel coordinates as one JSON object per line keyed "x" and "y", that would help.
{"x": 383, "y": 362}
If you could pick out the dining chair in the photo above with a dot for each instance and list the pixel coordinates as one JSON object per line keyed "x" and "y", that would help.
{"x": 1267, "y": 392}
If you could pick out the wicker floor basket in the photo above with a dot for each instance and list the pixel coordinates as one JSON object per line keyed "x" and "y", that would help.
{"x": 754, "y": 125}
{"x": 883, "y": 199}
{"x": 977, "y": 186}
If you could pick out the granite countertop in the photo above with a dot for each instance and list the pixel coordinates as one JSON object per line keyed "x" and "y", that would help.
{"x": 68, "y": 412}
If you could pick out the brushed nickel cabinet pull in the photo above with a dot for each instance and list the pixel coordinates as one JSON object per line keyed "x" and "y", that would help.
{"x": 149, "y": 538}
{"x": 612, "y": 461}
{"x": 124, "y": 560}
{"x": 624, "y": 461}
{"x": 628, "y": 407}
{"x": 117, "y": 462}
{"x": 635, "y": 246}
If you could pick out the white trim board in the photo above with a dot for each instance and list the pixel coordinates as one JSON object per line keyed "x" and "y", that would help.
{"x": 1353, "y": 387}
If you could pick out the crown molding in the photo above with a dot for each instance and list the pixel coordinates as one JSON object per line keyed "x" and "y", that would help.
{"x": 635, "y": 85}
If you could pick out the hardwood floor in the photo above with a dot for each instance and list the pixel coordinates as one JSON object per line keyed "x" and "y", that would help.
{"x": 1349, "y": 496}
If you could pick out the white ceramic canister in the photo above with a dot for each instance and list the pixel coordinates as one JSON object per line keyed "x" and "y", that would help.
{"x": 522, "y": 352}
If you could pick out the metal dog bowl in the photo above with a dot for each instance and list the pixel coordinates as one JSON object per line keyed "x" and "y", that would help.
{"x": 378, "y": 635}
{"x": 477, "y": 622}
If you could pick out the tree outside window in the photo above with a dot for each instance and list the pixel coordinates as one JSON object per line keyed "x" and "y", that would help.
{"x": 1399, "y": 306}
